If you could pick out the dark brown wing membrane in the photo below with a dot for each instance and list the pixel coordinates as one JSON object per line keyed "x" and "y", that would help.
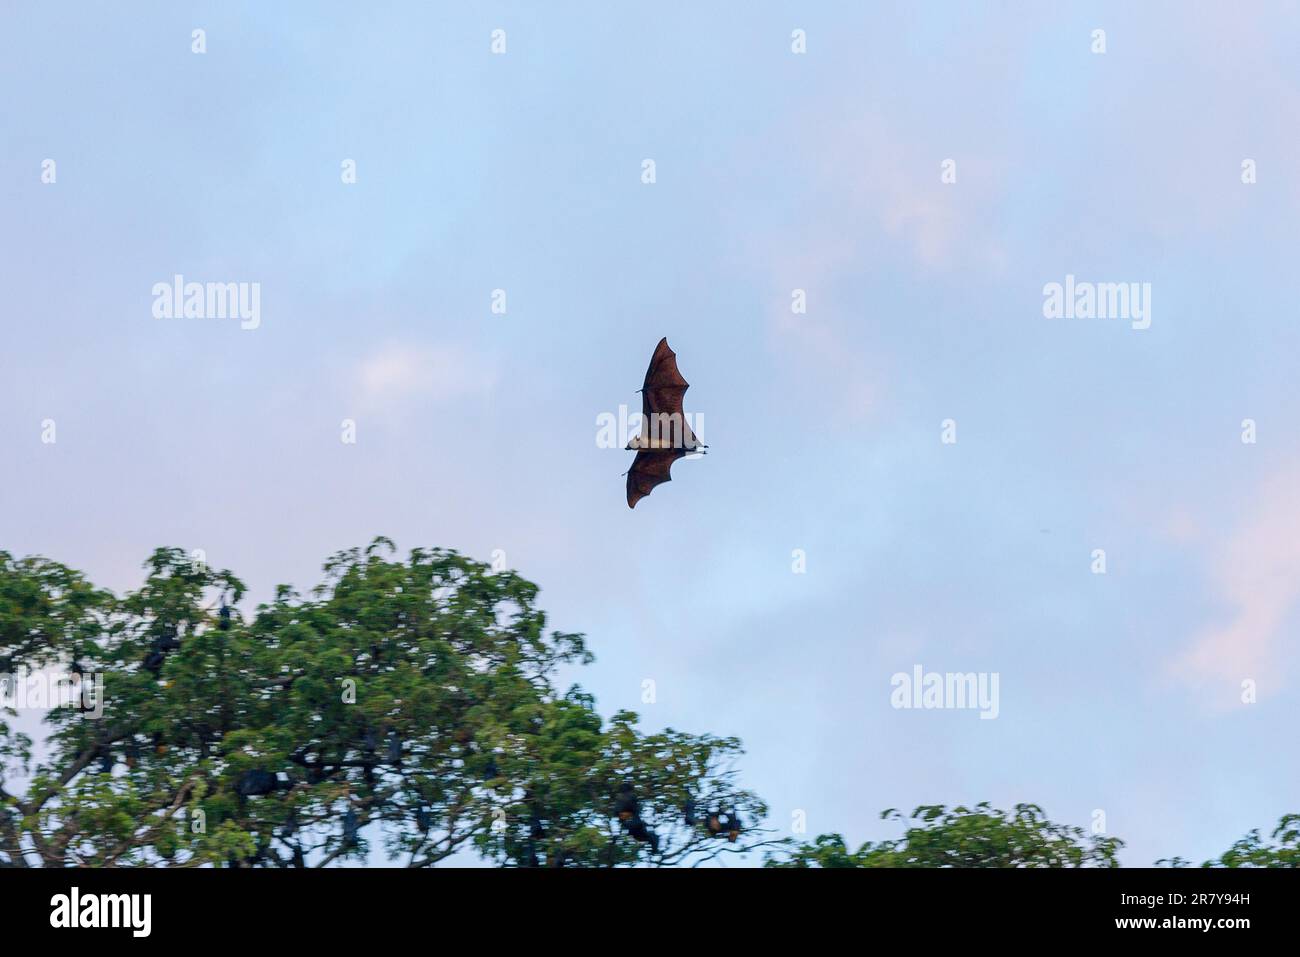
{"x": 662, "y": 393}
{"x": 651, "y": 467}
{"x": 664, "y": 386}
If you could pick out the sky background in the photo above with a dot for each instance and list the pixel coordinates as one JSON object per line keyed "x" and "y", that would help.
{"x": 775, "y": 171}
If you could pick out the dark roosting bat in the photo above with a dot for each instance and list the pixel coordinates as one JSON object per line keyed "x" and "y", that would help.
{"x": 665, "y": 434}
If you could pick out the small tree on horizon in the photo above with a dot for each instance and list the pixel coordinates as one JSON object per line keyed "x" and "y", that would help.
{"x": 981, "y": 836}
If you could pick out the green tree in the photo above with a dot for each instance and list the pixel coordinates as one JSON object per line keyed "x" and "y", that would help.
{"x": 412, "y": 703}
{"x": 1253, "y": 851}
{"x": 963, "y": 837}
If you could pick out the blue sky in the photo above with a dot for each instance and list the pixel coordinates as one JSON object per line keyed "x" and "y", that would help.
{"x": 775, "y": 171}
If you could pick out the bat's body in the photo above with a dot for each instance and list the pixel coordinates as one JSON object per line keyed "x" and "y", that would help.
{"x": 665, "y": 434}
{"x": 647, "y": 441}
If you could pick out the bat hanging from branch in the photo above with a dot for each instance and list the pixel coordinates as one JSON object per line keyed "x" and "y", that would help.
{"x": 665, "y": 436}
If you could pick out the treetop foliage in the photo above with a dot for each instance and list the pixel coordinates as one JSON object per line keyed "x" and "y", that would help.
{"x": 964, "y": 837}
{"x": 411, "y": 703}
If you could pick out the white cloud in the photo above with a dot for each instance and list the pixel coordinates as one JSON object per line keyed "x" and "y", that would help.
{"x": 1258, "y": 575}
{"x": 396, "y": 373}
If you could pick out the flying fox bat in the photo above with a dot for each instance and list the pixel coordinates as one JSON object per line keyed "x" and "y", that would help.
{"x": 665, "y": 434}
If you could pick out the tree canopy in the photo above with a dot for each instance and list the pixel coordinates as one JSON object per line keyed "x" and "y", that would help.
{"x": 982, "y": 836}
{"x": 964, "y": 837}
{"x": 410, "y": 705}
{"x": 1253, "y": 851}
{"x": 405, "y": 710}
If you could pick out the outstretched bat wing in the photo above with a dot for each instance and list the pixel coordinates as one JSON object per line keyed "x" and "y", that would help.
{"x": 664, "y": 385}
{"x": 663, "y": 391}
{"x": 651, "y": 467}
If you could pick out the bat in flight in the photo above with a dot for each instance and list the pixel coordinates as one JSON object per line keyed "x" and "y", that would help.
{"x": 665, "y": 436}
